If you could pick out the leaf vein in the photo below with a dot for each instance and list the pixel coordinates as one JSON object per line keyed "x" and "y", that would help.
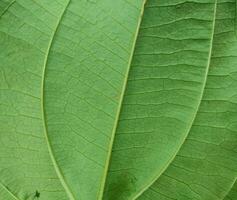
{"x": 52, "y": 156}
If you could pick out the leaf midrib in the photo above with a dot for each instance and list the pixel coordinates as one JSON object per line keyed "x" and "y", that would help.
{"x": 101, "y": 191}
{"x": 51, "y": 153}
{"x": 196, "y": 111}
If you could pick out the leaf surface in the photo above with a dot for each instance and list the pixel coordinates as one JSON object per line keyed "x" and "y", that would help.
{"x": 205, "y": 167}
{"x": 97, "y": 97}
{"x": 232, "y": 194}
{"x": 164, "y": 89}
{"x": 25, "y": 165}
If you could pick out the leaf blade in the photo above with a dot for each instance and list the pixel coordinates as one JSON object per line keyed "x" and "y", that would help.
{"x": 55, "y": 164}
{"x": 151, "y": 165}
{"x": 24, "y": 155}
{"x": 205, "y": 166}
{"x": 71, "y": 111}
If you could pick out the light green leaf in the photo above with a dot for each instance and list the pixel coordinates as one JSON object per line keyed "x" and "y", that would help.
{"x": 98, "y": 96}
{"x": 205, "y": 167}
{"x": 165, "y": 86}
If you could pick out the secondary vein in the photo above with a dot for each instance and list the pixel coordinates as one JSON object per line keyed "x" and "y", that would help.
{"x": 9, "y": 191}
{"x": 231, "y": 187}
{"x": 52, "y": 156}
{"x": 6, "y": 9}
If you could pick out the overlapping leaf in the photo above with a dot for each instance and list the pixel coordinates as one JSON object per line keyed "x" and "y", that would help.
{"x": 97, "y": 97}
{"x": 205, "y": 167}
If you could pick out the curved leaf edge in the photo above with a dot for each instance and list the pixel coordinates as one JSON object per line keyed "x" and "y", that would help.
{"x": 195, "y": 113}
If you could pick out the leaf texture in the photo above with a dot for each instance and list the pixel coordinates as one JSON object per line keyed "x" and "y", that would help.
{"x": 83, "y": 91}
{"x": 165, "y": 85}
{"x": 25, "y": 164}
{"x": 118, "y": 100}
{"x": 232, "y": 194}
{"x": 205, "y": 167}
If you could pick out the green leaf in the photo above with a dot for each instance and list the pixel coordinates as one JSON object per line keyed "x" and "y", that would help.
{"x": 5, "y": 5}
{"x": 205, "y": 167}
{"x": 117, "y": 100}
{"x": 232, "y": 194}
{"x": 165, "y": 86}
